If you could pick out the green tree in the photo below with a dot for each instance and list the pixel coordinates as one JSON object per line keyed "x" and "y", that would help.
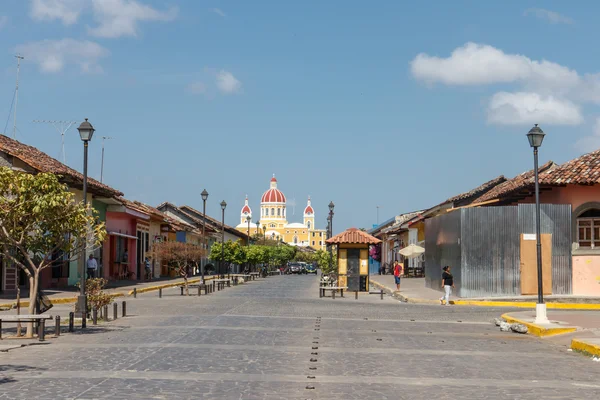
{"x": 327, "y": 263}
{"x": 39, "y": 218}
{"x": 179, "y": 257}
{"x": 228, "y": 253}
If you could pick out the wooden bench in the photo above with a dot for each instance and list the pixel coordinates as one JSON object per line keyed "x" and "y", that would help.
{"x": 40, "y": 318}
{"x": 333, "y": 290}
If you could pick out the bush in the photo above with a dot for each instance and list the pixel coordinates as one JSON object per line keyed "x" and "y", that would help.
{"x": 96, "y": 296}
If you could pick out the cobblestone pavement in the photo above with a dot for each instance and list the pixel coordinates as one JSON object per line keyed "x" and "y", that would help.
{"x": 275, "y": 339}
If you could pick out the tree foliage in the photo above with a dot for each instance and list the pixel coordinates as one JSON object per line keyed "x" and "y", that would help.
{"x": 96, "y": 296}
{"x": 326, "y": 262}
{"x": 236, "y": 253}
{"x": 39, "y": 218}
{"x": 180, "y": 257}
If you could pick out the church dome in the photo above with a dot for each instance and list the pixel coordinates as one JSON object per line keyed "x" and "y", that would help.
{"x": 273, "y": 195}
{"x": 308, "y": 211}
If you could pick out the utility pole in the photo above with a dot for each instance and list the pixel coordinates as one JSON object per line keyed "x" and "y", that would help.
{"x": 19, "y": 58}
{"x": 62, "y": 127}
{"x": 377, "y": 215}
{"x": 102, "y": 165}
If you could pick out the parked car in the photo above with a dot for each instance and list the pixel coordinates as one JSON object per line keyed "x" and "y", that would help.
{"x": 294, "y": 268}
{"x": 311, "y": 269}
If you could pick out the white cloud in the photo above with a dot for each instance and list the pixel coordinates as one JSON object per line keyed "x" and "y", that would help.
{"x": 118, "y": 18}
{"x": 592, "y": 142}
{"x": 53, "y": 55}
{"x": 524, "y": 108}
{"x": 550, "y": 16}
{"x": 476, "y": 64}
{"x": 67, "y": 11}
{"x": 218, "y": 11}
{"x": 196, "y": 88}
{"x": 227, "y": 83}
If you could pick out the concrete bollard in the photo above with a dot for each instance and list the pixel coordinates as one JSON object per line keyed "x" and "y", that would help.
{"x": 57, "y": 325}
{"x": 105, "y": 313}
{"x": 124, "y": 309}
{"x": 134, "y": 293}
{"x": 71, "y": 321}
{"x": 115, "y": 311}
{"x": 42, "y": 330}
{"x": 94, "y": 316}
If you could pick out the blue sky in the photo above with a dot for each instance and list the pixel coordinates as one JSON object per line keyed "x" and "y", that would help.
{"x": 387, "y": 103}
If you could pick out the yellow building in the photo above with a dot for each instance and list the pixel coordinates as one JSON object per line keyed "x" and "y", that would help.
{"x": 273, "y": 221}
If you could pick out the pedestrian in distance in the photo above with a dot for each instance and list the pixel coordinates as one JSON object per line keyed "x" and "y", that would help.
{"x": 148, "y": 269}
{"x": 447, "y": 285}
{"x": 398, "y": 271}
{"x": 92, "y": 266}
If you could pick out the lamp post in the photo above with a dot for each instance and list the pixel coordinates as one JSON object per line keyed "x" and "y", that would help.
{"x": 223, "y": 206}
{"x": 248, "y": 219}
{"x": 204, "y": 195}
{"x": 536, "y": 137}
{"x": 265, "y": 234}
{"x": 86, "y": 131}
{"x": 330, "y": 220}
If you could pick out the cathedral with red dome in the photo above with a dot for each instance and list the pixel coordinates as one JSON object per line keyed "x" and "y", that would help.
{"x": 273, "y": 224}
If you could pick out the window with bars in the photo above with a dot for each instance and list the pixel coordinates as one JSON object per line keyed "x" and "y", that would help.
{"x": 588, "y": 229}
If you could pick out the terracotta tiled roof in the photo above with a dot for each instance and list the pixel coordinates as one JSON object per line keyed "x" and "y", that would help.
{"x": 42, "y": 162}
{"x": 401, "y": 220}
{"x": 197, "y": 215}
{"x": 478, "y": 191}
{"x": 353, "y": 235}
{"x": 584, "y": 170}
{"x": 516, "y": 184}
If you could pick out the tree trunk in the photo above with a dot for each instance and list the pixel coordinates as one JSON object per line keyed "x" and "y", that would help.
{"x": 19, "y": 333}
{"x": 185, "y": 279}
{"x": 33, "y": 289}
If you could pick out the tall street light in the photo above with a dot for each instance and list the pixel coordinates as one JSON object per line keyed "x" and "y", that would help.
{"x": 223, "y": 206}
{"x": 536, "y": 137}
{"x": 265, "y": 234}
{"x": 204, "y": 195}
{"x": 86, "y": 131}
{"x": 248, "y": 219}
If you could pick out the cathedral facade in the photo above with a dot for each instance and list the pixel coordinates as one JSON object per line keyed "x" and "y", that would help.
{"x": 273, "y": 223}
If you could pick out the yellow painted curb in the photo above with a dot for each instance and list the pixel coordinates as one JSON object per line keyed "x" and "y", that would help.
{"x": 538, "y": 330}
{"x": 526, "y": 304}
{"x": 166, "y": 285}
{"x": 587, "y": 348}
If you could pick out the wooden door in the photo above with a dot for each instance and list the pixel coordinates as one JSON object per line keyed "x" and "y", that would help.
{"x": 529, "y": 283}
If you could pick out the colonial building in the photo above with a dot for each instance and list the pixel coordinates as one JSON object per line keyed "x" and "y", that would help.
{"x": 273, "y": 224}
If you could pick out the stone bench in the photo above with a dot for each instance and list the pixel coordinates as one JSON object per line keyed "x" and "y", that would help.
{"x": 333, "y": 289}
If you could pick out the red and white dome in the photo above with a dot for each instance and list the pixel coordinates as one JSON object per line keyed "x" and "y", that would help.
{"x": 273, "y": 195}
{"x": 308, "y": 211}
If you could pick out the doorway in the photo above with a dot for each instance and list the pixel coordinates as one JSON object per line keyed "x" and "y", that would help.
{"x": 353, "y": 271}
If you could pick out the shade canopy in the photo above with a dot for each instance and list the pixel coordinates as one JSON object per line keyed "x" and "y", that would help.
{"x": 412, "y": 251}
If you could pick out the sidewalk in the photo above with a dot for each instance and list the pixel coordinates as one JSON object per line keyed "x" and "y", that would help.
{"x": 413, "y": 290}
{"x": 123, "y": 288}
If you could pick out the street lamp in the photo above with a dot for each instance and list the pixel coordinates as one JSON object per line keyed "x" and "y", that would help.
{"x": 86, "y": 131}
{"x": 265, "y": 234}
{"x": 536, "y": 137}
{"x": 248, "y": 219}
{"x": 223, "y": 206}
{"x": 204, "y": 195}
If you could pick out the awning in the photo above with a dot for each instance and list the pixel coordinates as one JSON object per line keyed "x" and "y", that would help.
{"x": 122, "y": 235}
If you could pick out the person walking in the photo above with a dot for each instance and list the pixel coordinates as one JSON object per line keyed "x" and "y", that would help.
{"x": 92, "y": 266}
{"x": 447, "y": 285}
{"x": 398, "y": 271}
{"x": 148, "y": 269}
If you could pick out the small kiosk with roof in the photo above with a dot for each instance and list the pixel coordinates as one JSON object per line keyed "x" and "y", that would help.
{"x": 353, "y": 258}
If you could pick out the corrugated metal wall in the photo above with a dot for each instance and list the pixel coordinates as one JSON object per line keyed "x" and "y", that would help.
{"x": 556, "y": 220}
{"x": 482, "y": 245}
{"x": 442, "y": 247}
{"x": 490, "y": 252}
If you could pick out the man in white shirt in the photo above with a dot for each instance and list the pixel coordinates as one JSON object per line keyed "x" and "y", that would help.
{"x": 92, "y": 267}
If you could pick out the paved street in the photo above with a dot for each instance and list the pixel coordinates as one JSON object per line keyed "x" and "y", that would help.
{"x": 275, "y": 339}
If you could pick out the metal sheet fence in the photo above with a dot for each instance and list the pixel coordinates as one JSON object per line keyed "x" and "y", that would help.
{"x": 482, "y": 245}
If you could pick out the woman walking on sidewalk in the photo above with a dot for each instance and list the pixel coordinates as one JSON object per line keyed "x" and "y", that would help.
{"x": 447, "y": 285}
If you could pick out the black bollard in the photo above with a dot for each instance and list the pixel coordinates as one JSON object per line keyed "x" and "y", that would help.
{"x": 381, "y": 294}
{"x": 333, "y": 294}
{"x": 42, "y": 330}
{"x": 57, "y": 326}
{"x": 83, "y": 321}
{"x": 105, "y": 313}
{"x": 134, "y": 293}
{"x": 160, "y": 293}
{"x": 356, "y": 295}
{"x": 71, "y": 321}
{"x": 115, "y": 313}
{"x": 181, "y": 290}
{"x": 213, "y": 287}
{"x": 94, "y": 316}
{"x": 199, "y": 290}
{"x": 124, "y": 309}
